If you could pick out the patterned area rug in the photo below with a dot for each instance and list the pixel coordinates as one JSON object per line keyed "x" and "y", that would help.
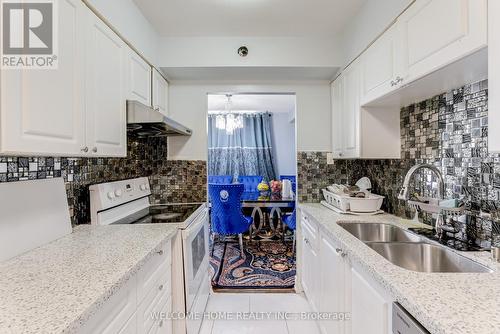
{"x": 265, "y": 265}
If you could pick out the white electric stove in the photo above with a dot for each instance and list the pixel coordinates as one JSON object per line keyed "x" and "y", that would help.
{"x": 127, "y": 202}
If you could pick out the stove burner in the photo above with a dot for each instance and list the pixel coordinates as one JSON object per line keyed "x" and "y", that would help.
{"x": 166, "y": 216}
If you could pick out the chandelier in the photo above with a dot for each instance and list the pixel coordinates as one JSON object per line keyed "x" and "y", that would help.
{"x": 227, "y": 120}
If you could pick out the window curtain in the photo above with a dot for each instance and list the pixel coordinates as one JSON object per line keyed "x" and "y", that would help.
{"x": 245, "y": 151}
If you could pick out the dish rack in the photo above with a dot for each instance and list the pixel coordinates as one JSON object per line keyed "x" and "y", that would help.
{"x": 371, "y": 203}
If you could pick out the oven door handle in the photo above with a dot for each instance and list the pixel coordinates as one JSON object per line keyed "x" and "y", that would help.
{"x": 200, "y": 220}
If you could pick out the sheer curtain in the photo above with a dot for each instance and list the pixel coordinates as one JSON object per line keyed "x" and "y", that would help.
{"x": 245, "y": 151}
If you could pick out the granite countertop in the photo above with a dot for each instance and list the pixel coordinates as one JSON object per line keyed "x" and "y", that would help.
{"x": 57, "y": 287}
{"x": 444, "y": 303}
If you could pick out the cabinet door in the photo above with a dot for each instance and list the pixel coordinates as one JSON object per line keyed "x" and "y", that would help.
{"x": 160, "y": 93}
{"x": 337, "y": 104}
{"x": 494, "y": 77}
{"x": 435, "y": 33}
{"x": 117, "y": 314}
{"x": 310, "y": 267}
{"x": 379, "y": 65}
{"x": 42, "y": 110}
{"x": 139, "y": 79}
{"x": 370, "y": 311}
{"x": 350, "y": 111}
{"x": 332, "y": 298}
{"x": 106, "y": 90}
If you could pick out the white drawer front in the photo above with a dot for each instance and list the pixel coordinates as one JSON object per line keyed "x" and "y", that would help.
{"x": 114, "y": 315}
{"x": 152, "y": 271}
{"x": 161, "y": 290}
{"x": 310, "y": 231}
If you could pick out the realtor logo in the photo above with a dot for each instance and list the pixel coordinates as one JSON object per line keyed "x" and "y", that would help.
{"x": 29, "y": 39}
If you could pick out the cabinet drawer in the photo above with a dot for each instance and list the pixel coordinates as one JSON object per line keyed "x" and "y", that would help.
{"x": 162, "y": 288}
{"x": 310, "y": 231}
{"x": 151, "y": 272}
{"x": 115, "y": 313}
{"x": 163, "y": 324}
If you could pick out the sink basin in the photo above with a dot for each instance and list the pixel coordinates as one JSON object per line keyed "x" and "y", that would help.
{"x": 427, "y": 258}
{"x": 379, "y": 232}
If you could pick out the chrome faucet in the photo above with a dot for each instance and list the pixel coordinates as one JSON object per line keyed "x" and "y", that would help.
{"x": 403, "y": 194}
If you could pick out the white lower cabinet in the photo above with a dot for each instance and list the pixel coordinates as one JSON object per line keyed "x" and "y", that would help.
{"x": 310, "y": 262}
{"x": 342, "y": 289}
{"x": 333, "y": 275}
{"x": 370, "y": 311}
{"x": 142, "y": 305}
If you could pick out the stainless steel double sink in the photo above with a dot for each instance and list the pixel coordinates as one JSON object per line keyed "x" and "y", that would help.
{"x": 410, "y": 251}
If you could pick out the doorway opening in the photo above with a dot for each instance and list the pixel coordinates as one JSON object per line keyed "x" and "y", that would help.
{"x": 252, "y": 177}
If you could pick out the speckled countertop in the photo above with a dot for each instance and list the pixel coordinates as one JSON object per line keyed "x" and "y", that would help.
{"x": 57, "y": 287}
{"x": 444, "y": 303}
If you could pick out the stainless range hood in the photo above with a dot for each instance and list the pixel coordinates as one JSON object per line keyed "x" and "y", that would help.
{"x": 144, "y": 121}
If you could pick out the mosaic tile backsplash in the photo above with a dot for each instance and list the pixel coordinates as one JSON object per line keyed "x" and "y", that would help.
{"x": 180, "y": 181}
{"x": 145, "y": 157}
{"x": 449, "y": 131}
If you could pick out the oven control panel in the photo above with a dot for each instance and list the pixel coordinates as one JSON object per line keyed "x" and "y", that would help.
{"x": 108, "y": 195}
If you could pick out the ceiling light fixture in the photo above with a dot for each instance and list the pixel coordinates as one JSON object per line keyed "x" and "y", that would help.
{"x": 227, "y": 120}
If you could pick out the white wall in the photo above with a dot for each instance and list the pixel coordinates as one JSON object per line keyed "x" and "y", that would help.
{"x": 188, "y": 105}
{"x": 126, "y": 17}
{"x": 284, "y": 144}
{"x": 372, "y": 19}
{"x": 263, "y": 51}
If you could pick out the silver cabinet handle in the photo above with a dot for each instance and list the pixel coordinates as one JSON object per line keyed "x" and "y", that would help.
{"x": 160, "y": 287}
{"x": 94, "y": 150}
{"x": 340, "y": 252}
{"x": 85, "y": 149}
{"x": 156, "y": 109}
{"x": 160, "y": 252}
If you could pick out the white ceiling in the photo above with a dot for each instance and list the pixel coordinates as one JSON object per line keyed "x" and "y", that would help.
{"x": 253, "y": 102}
{"x": 249, "y": 17}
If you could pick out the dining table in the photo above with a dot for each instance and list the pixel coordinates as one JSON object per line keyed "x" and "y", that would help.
{"x": 268, "y": 206}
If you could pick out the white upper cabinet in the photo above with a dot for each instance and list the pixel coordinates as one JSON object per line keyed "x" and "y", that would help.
{"x": 360, "y": 132}
{"x": 435, "y": 33}
{"x": 434, "y": 46}
{"x": 351, "y": 111}
{"x": 42, "y": 110}
{"x": 160, "y": 93}
{"x": 106, "y": 107}
{"x": 78, "y": 109}
{"x": 380, "y": 66}
{"x": 337, "y": 105}
{"x": 139, "y": 78}
{"x": 494, "y": 77}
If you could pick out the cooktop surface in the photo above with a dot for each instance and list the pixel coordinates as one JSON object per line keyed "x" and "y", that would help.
{"x": 162, "y": 214}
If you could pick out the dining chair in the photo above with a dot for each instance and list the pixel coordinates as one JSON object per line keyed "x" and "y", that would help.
{"x": 293, "y": 180}
{"x": 291, "y": 222}
{"x": 250, "y": 182}
{"x": 220, "y": 179}
{"x": 226, "y": 215}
